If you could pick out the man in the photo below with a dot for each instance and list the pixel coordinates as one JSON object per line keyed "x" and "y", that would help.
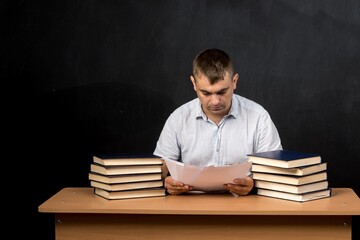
{"x": 218, "y": 127}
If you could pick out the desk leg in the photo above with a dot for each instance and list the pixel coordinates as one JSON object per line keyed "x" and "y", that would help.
{"x": 180, "y": 227}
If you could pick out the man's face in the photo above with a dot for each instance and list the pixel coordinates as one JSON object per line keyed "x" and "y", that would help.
{"x": 215, "y": 99}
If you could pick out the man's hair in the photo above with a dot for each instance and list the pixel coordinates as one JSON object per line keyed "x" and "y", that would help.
{"x": 213, "y": 63}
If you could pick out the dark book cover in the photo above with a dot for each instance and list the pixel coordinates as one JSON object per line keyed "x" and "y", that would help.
{"x": 284, "y": 155}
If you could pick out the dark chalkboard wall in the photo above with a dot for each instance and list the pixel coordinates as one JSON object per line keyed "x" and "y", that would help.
{"x": 102, "y": 76}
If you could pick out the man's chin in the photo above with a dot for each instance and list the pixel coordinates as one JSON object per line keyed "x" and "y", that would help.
{"x": 218, "y": 112}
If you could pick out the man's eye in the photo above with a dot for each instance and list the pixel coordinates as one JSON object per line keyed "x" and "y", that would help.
{"x": 206, "y": 94}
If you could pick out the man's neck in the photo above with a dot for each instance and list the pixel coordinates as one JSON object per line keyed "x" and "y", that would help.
{"x": 215, "y": 118}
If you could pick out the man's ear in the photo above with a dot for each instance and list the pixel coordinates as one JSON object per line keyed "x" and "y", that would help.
{"x": 234, "y": 80}
{"x": 193, "y": 82}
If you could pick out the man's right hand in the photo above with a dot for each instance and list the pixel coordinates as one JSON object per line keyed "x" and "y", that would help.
{"x": 174, "y": 187}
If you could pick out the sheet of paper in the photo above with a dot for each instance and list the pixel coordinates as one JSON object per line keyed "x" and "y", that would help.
{"x": 207, "y": 178}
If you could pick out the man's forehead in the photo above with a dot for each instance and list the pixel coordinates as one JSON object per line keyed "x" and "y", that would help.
{"x": 204, "y": 85}
{"x": 202, "y": 77}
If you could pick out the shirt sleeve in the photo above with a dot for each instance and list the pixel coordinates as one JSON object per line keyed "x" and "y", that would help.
{"x": 167, "y": 146}
{"x": 267, "y": 137}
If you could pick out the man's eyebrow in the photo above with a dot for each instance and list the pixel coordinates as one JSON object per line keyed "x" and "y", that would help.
{"x": 221, "y": 90}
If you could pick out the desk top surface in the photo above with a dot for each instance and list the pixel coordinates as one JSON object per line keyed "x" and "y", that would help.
{"x": 343, "y": 201}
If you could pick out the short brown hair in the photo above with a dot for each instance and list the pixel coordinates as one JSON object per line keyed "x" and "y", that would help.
{"x": 213, "y": 63}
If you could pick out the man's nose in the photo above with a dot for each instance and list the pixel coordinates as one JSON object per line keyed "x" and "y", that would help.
{"x": 214, "y": 99}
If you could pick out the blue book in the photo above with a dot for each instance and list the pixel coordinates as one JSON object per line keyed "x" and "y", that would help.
{"x": 285, "y": 158}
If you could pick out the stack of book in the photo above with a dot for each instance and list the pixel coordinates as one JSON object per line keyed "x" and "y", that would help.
{"x": 126, "y": 176}
{"x": 290, "y": 175}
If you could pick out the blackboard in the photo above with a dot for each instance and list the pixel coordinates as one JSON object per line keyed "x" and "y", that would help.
{"x": 102, "y": 76}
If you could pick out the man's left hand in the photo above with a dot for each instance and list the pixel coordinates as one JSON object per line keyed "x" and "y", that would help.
{"x": 240, "y": 186}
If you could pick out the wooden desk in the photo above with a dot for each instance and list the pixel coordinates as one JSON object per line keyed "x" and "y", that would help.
{"x": 80, "y": 214}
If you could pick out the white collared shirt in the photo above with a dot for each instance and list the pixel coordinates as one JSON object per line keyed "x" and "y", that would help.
{"x": 190, "y": 137}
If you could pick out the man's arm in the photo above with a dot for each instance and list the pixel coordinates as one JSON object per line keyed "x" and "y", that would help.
{"x": 164, "y": 170}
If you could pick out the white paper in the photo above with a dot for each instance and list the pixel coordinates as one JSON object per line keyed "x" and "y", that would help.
{"x": 207, "y": 178}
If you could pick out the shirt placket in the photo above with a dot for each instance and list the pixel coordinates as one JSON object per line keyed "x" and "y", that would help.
{"x": 218, "y": 149}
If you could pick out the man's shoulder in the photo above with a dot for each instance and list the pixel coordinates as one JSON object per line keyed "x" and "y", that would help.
{"x": 187, "y": 109}
{"x": 189, "y": 106}
{"x": 248, "y": 104}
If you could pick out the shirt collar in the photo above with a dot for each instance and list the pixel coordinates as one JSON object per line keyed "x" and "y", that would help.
{"x": 199, "y": 112}
{"x": 234, "y": 111}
